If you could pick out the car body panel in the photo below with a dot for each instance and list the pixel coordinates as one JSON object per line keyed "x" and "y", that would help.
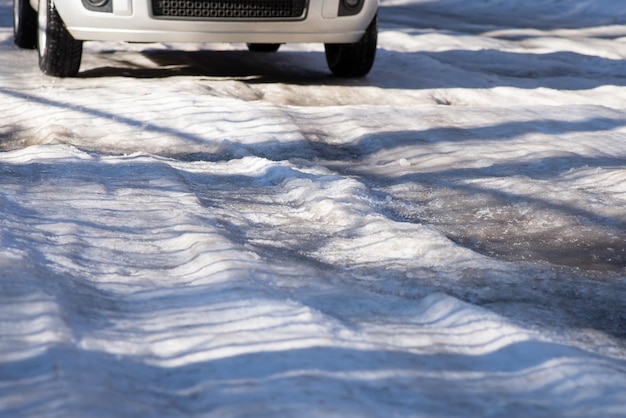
{"x": 133, "y": 21}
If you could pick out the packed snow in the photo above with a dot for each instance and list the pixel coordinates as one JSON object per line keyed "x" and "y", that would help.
{"x": 199, "y": 230}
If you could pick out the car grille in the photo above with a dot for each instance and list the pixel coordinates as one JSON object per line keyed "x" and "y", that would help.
{"x": 229, "y": 9}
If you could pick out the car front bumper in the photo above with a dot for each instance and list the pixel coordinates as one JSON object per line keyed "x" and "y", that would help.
{"x": 133, "y": 21}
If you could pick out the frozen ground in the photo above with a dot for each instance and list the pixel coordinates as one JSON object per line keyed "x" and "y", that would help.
{"x": 196, "y": 230}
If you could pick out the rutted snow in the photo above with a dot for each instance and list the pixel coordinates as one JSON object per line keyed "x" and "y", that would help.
{"x": 192, "y": 232}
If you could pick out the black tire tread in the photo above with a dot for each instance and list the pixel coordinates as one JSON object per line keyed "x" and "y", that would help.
{"x": 25, "y": 32}
{"x": 355, "y": 59}
{"x": 63, "y": 53}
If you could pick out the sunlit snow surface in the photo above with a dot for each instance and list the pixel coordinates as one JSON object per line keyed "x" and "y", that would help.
{"x": 192, "y": 230}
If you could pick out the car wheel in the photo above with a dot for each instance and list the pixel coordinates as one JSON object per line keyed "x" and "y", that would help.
{"x": 263, "y": 47}
{"x": 59, "y": 52}
{"x": 354, "y": 60}
{"x": 24, "y": 24}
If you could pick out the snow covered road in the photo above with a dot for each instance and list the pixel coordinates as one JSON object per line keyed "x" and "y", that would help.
{"x": 198, "y": 230}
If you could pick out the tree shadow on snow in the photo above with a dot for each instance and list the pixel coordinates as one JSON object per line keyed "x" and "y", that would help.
{"x": 489, "y": 18}
{"x": 526, "y": 377}
{"x": 453, "y": 199}
{"x": 6, "y": 16}
{"x": 604, "y": 249}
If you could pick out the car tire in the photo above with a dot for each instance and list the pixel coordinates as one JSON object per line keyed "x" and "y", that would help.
{"x": 355, "y": 59}
{"x": 263, "y": 47}
{"x": 59, "y": 53}
{"x": 24, "y": 25}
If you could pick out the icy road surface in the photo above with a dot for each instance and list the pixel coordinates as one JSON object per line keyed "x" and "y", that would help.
{"x": 197, "y": 230}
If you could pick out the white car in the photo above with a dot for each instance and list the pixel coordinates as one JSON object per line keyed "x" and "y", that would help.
{"x": 57, "y": 28}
